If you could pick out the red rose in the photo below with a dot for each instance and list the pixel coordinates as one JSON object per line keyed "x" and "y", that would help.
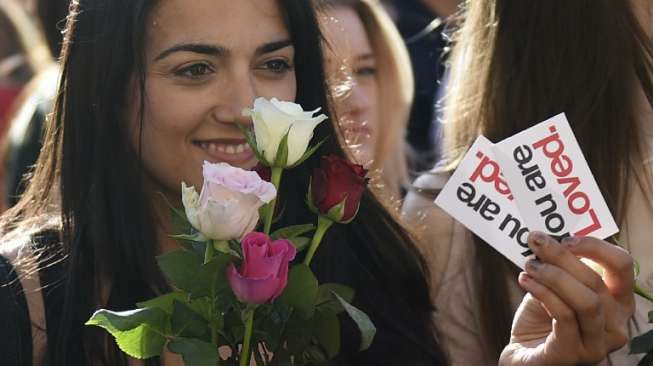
{"x": 263, "y": 171}
{"x": 337, "y": 182}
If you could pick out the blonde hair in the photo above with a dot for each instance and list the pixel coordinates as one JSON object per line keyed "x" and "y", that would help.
{"x": 30, "y": 35}
{"x": 395, "y": 89}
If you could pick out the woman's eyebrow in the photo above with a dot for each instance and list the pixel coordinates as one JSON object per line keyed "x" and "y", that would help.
{"x": 213, "y": 50}
{"x": 205, "y": 49}
{"x": 366, "y": 57}
{"x": 273, "y": 46}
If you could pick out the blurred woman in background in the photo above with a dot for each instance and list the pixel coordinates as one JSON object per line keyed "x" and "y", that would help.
{"x": 372, "y": 86}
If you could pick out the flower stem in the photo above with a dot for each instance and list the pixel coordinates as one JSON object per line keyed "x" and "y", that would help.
{"x": 249, "y": 325}
{"x": 323, "y": 224}
{"x": 643, "y": 293}
{"x": 276, "y": 181}
{"x": 209, "y": 253}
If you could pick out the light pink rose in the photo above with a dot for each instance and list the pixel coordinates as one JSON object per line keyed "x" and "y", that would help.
{"x": 228, "y": 205}
{"x": 263, "y": 274}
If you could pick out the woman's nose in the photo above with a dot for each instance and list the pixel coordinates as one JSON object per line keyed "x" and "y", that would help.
{"x": 356, "y": 103}
{"x": 239, "y": 95}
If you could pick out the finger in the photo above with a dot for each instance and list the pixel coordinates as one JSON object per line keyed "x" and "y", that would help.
{"x": 618, "y": 264}
{"x": 565, "y": 327}
{"x": 549, "y": 251}
{"x": 532, "y": 321}
{"x": 584, "y": 302}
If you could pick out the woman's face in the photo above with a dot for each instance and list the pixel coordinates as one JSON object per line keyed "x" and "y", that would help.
{"x": 351, "y": 68}
{"x": 206, "y": 60}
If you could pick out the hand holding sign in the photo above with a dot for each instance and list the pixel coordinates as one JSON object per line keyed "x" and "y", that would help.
{"x": 535, "y": 180}
{"x": 539, "y": 180}
{"x": 590, "y": 313}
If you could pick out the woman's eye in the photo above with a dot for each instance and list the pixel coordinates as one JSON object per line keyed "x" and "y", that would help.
{"x": 366, "y": 71}
{"x": 277, "y": 66}
{"x": 194, "y": 71}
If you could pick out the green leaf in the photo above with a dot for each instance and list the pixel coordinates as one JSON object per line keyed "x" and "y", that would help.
{"x": 195, "y": 237}
{"x": 300, "y": 243}
{"x": 202, "y": 307}
{"x": 327, "y": 332}
{"x": 274, "y": 322}
{"x": 327, "y": 300}
{"x": 195, "y": 352}
{"x": 187, "y": 272}
{"x": 365, "y": 325}
{"x": 301, "y": 291}
{"x": 315, "y": 355}
{"x": 337, "y": 212}
{"x": 226, "y": 299}
{"x": 290, "y": 232}
{"x": 251, "y": 141}
{"x": 642, "y": 343}
{"x": 211, "y": 275}
{"x": 309, "y": 198}
{"x": 186, "y": 322}
{"x": 163, "y": 302}
{"x": 138, "y": 333}
{"x": 308, "y": 153}
{"x": 358, "y": 206}
{"x": 181, "y": 267}
{"x": 282, "y": 152}
{"x": 298, "y": 334}
{"x": 225, "y": 248}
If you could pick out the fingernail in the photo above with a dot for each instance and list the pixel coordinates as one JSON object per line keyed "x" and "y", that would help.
{"x": 539, "y": 238}
{"x": 533, "y": 265}
{"x": 570, "y": 241}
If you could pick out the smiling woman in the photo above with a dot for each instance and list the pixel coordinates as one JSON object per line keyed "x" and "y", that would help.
{"x": 149, "y": 91}
{"x": 198, "y": 81}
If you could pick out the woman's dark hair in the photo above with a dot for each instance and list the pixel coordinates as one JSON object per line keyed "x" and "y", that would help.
{"x": 89, "y": 173}
{"x": 520, "y": 62}
{"x": 52, "y": 15}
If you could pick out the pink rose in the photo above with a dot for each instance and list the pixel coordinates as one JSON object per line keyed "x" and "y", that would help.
{"x": 263, "y": 274}
{"x": 227, "y": 207}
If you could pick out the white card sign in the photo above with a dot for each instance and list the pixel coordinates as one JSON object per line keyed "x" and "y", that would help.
{"x": 478, "y": 196}
{"x": 537, "y": 179}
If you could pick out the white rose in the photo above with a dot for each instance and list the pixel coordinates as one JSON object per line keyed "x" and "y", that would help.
{"x": 228, "y": 205}
{"x": 273, "y": 119}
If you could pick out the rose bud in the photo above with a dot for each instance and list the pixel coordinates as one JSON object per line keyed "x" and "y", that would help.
{"x": 273, "y": 119}
{"x": 228, "y": 205}
{"x": 336, "y": 188}
{"x": 263, "y": 275}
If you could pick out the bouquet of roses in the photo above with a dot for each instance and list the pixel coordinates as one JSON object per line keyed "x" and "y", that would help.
{"x": 237, "y": 291}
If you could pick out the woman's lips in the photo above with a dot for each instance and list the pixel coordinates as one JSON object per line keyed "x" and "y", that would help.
{"x": 233, "y": 152}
